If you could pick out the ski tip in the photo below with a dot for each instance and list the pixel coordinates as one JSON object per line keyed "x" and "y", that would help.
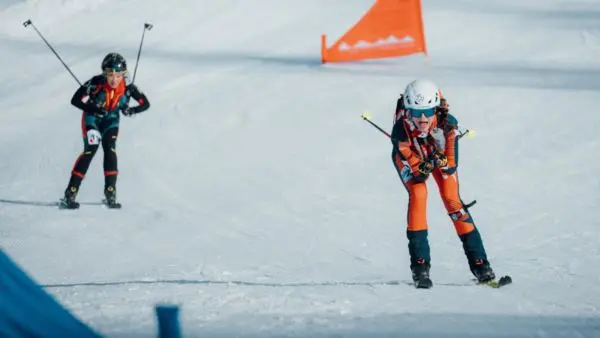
{"x": 505, "y": 280}
{"x": 498, "y": 283}
{"x": 424, "y": 284}
{"x": 72, "y": 207}
{"x": 113, "y": 206}
{"x": 62, "y": 205}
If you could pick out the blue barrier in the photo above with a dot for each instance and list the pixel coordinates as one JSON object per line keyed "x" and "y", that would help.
{"x": 26, "y": 310}
{"x": 168, "y": 321}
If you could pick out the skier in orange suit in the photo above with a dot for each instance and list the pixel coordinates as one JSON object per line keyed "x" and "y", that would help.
{"x": 425, "y": 141}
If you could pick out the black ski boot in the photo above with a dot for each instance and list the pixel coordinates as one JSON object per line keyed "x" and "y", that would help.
{"x": 68, "y": 201}
{"x": 482, "y": 270}
{"x": 111, "y": 198}
{"x": 420, "y": 274}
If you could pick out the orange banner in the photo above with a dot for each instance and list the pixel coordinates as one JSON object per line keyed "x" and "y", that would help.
{"x": 390, "y": 28}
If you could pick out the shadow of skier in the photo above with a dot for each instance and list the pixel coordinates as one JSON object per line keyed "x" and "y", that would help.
{"x": 54, "y": 204}
{"x": 246, "y": 283}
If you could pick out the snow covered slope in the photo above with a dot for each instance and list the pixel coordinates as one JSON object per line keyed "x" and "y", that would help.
{"x": 256, "y": 198}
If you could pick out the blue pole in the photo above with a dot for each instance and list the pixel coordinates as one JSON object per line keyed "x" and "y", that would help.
{"x": 168, "y": 321}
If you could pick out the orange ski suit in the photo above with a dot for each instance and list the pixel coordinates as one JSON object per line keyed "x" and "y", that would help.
{"x": 410, "y": 149}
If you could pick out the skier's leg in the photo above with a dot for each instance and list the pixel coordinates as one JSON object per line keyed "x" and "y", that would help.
{"x": 109, "y": 143}
{"x": 91, "y": 141}
{"x": 463, "y": 223}
{"x": 416, "y": 232}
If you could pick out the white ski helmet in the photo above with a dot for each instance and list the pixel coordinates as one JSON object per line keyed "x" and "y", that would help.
{"x": 421, "y": 94}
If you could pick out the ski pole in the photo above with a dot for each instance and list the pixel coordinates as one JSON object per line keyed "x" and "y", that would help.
{"x": 367, "y": 117}
{"x": 30, "y": 23}
{"x": 469, "y": 133}
{"x": 147, "y": 26}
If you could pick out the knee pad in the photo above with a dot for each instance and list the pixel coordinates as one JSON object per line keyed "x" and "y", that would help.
{"x": 92, "y": 138}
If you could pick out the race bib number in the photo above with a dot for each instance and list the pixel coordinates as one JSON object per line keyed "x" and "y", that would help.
{"x": 93, "y": 137}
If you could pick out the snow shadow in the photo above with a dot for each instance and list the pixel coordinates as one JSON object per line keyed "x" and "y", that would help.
{"x": 319, "y": 324}
{"x": 511, "y": 74}
{"x": 572, "y": 16}
{"x": 4, "y": 4}
{"x": 244, "y": 283}
{"x": 423, "y": 325}
{"x": 404, "y": 323}
{"x": 41, "y": 203}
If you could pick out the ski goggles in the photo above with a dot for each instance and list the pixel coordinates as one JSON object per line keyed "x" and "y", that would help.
{"x": 419, "y": 112}
{"x": 112, "y": 71}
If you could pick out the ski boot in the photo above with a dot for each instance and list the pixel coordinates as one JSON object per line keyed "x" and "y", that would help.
{"x": 68, "y": 201}
{"x": 420, "y": 274}
{"x": 110, "y": 200}
{"x": 482, "y": 270}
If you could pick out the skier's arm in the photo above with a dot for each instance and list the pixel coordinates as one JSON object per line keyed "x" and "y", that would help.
{"x": 142, "y": 100}
{"x": 451, "y": 150}
{"x": 77, "y": 99}
{"x": 84, "y": 91}
{"x": 402, "y": 143}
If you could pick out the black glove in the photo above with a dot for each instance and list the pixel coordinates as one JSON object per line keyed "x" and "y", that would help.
{"x": 440, "y": 160}
{"x": 425, "y": 168}
{"x": 128, "y": 111}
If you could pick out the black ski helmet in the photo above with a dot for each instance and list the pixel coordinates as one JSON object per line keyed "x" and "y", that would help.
{"x": 114, "y": 62}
